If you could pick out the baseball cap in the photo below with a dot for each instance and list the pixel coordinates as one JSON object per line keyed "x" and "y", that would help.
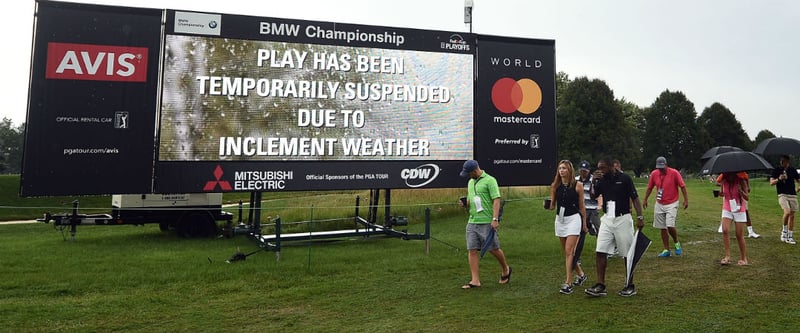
{"x": 469, "y": 166}
{"x": 661, "y": 162}
{"x": 585, "y": 165}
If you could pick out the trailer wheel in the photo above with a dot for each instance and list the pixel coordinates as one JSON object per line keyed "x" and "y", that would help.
{"x": 196, "y": 225}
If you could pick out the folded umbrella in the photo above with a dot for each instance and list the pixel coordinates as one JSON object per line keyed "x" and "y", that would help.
{"x": 492, "y": 232}
{"x": 637, "y": 250}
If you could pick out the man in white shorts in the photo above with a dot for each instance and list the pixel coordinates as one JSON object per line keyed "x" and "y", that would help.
{"x": 616, "y": 226}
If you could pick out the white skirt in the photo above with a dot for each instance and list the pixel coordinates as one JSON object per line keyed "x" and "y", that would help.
{"x": 569, "y": 225}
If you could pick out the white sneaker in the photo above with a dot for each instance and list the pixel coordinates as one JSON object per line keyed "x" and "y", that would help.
{"x": 790, "y": 240}
{"x": 783, "y": 236}
{"x": 754, "y": 235}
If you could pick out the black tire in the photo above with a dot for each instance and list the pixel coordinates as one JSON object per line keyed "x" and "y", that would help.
{"x": 199, "y": 224}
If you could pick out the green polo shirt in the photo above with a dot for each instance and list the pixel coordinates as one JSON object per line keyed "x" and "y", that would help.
{"x": 485, "y": 187}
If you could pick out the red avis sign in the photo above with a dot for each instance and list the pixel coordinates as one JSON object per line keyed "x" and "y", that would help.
{"x": 67, "y": 61}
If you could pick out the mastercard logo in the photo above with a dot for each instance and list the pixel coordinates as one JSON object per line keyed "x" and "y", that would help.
{"x": 523, "y": 95}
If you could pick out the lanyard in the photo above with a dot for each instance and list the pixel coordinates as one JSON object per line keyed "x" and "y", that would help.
{"x": 475, "y": 185}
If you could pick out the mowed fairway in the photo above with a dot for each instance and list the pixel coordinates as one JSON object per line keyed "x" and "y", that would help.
{"x": 138, "y": 279}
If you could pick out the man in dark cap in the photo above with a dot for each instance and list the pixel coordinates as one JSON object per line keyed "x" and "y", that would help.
{"x": 483, "y": 202}
{"x": 667, "y": 181}
{"x": 592, "y": 218}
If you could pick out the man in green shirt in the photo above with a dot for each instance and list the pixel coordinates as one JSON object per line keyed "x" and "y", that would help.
{"x": 483, "y": 201}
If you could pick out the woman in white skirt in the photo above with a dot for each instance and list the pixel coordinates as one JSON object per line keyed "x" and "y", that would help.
{"x": 566, "y": 196}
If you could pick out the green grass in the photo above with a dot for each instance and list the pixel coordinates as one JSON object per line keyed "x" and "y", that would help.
{"x": 139, "y": 279}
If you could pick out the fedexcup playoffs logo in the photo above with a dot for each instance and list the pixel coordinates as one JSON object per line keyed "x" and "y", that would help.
{"x": 455, "y": 42}
{"x": 523, "y": 95}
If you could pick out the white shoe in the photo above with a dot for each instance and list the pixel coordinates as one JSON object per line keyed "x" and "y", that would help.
{"x": 790, "y": 240}
{"x": 783, "y": 236}
{"x": 754, "y": 235}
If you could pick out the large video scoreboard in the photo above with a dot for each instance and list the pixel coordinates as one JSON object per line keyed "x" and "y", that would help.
{"x": 210, "y": 102}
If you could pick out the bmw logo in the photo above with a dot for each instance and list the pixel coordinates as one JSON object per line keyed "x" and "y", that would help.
{"x": 212, "y": 24}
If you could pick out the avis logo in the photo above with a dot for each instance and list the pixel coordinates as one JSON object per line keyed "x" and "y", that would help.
{"x": 420, "y": 176}
{"x": 212, "y": 184}
{"x": 66, "y": 61}
{"x": 509, "y": 95}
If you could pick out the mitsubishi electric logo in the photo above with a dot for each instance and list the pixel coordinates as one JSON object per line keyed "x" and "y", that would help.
{"x": 420, "y": 176}
{"x": 224, "y": 185}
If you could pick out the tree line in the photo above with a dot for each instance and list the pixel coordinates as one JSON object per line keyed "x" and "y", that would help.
{"x": 590, "y": 124}
{"x": 11, "y": 142}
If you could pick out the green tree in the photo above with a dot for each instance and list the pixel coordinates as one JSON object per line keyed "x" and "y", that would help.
{"x": 723, "y": 128}
{"x": 761, "y": 136}
{"x": 562, "y": 82}
{"x": 11, "y": 141}
{"x": 635, "y": 121}
{"x": 590, "y": 123}
{"x": 672, "y": 131}
{"x": 767, "y": 134}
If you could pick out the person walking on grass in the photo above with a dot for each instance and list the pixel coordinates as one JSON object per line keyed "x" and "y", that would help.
{"x": 592, "y": 218}
{"x": 784, "y": 178}
{"x": 483, "y": 202}
{"x": 734, "y": 208}
{"x": 566, "y": 196}
{"x": 746, "y": 182}
{"x": 667, "y": 181}
{"x": 616, "y": 225}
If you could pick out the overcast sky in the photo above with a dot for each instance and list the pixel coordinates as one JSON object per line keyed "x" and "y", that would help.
{"x": 741, "y": 53}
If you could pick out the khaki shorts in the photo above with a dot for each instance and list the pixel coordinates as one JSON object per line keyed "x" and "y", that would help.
{"x": 788, "y": 202}
{"x": 664, "y": 216}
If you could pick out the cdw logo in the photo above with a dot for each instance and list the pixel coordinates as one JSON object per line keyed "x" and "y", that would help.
{"x": 96, "y": 62}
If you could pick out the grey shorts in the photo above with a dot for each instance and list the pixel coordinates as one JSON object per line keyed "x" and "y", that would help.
{"x": 477, "y": 234}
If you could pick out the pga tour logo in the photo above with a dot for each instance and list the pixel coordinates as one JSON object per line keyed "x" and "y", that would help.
{"x": 68, "y": 61}
{"x": 420, "y": 176}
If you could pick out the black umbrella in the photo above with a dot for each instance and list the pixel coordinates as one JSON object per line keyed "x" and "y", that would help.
{"x": 718, "y": 150}
{"x": 735, "y": 161}
{"x": 778, "y": 146}
{"x": 637, "y": 250}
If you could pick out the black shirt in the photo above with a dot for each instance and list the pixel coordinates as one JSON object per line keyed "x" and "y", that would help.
{"x": 785, "y": 186}
{"x": 617, "y": 187}
{"x": 567, "y": 197}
